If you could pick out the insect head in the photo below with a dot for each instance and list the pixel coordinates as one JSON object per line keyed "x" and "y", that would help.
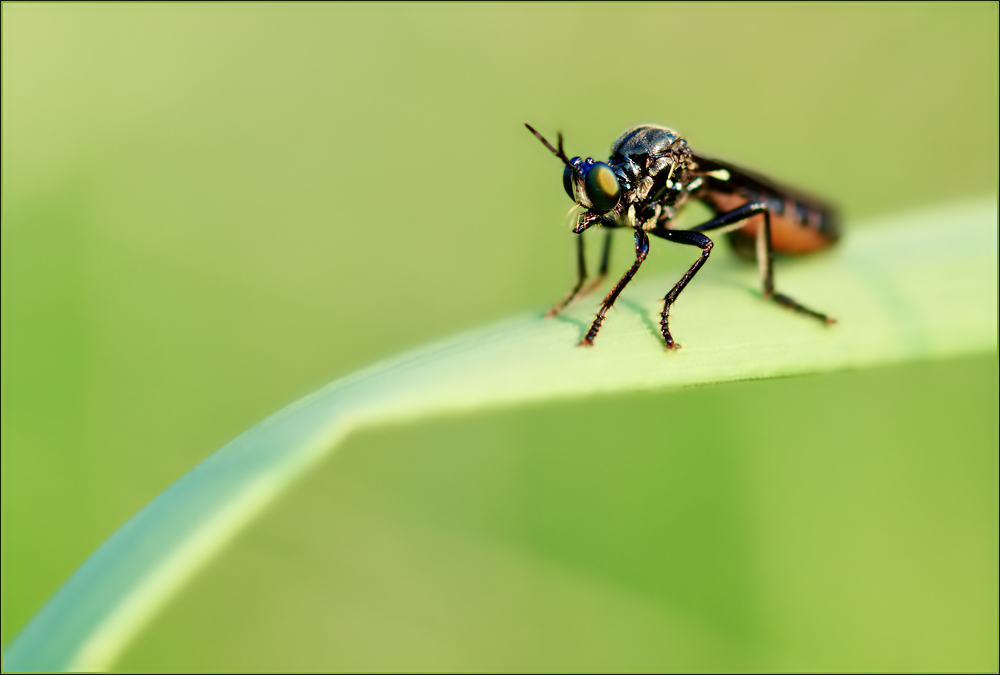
{"x": 591, "y": 184}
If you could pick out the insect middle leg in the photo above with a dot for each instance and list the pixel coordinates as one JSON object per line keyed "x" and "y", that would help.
{"x": 690, "y": 238}
{"x": 641, "y": 250}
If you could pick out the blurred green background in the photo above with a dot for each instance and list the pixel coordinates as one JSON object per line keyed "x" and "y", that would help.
{"x": 211, "y": 210}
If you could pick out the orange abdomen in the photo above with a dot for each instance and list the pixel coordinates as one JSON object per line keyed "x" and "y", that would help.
{"x": 796, "y": 228}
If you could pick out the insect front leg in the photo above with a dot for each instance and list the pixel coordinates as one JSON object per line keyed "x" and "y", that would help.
{"x": 581, "y": 276}
{"x": 641, "y": 250}
{"x": 605, "y": 259}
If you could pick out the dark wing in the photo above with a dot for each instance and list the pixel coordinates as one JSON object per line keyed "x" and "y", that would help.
{"x": 742, "y": 181}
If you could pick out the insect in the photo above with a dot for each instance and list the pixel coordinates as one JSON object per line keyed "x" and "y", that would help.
{"x": 650, "y": 175}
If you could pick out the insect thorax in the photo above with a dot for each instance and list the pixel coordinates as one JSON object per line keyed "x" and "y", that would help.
{"x": 654, "y": 165}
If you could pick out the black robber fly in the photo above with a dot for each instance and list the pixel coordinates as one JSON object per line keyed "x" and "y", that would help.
{"x": 650, "y": 175}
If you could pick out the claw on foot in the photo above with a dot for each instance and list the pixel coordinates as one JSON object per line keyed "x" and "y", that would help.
{"x": 585, "y": 342}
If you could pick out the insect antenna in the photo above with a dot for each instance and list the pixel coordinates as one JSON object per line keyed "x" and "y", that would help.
{"x": 558, "y": 152}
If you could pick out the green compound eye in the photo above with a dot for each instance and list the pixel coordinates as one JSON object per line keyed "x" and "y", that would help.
{"x": 602, "y": 187}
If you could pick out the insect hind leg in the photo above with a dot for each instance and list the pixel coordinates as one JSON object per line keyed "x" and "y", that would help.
{"x": 765, "y": 259}
{"x": 736, "y": 218}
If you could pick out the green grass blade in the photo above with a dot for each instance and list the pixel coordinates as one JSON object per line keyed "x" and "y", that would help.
{"x": 917, "y": 286}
